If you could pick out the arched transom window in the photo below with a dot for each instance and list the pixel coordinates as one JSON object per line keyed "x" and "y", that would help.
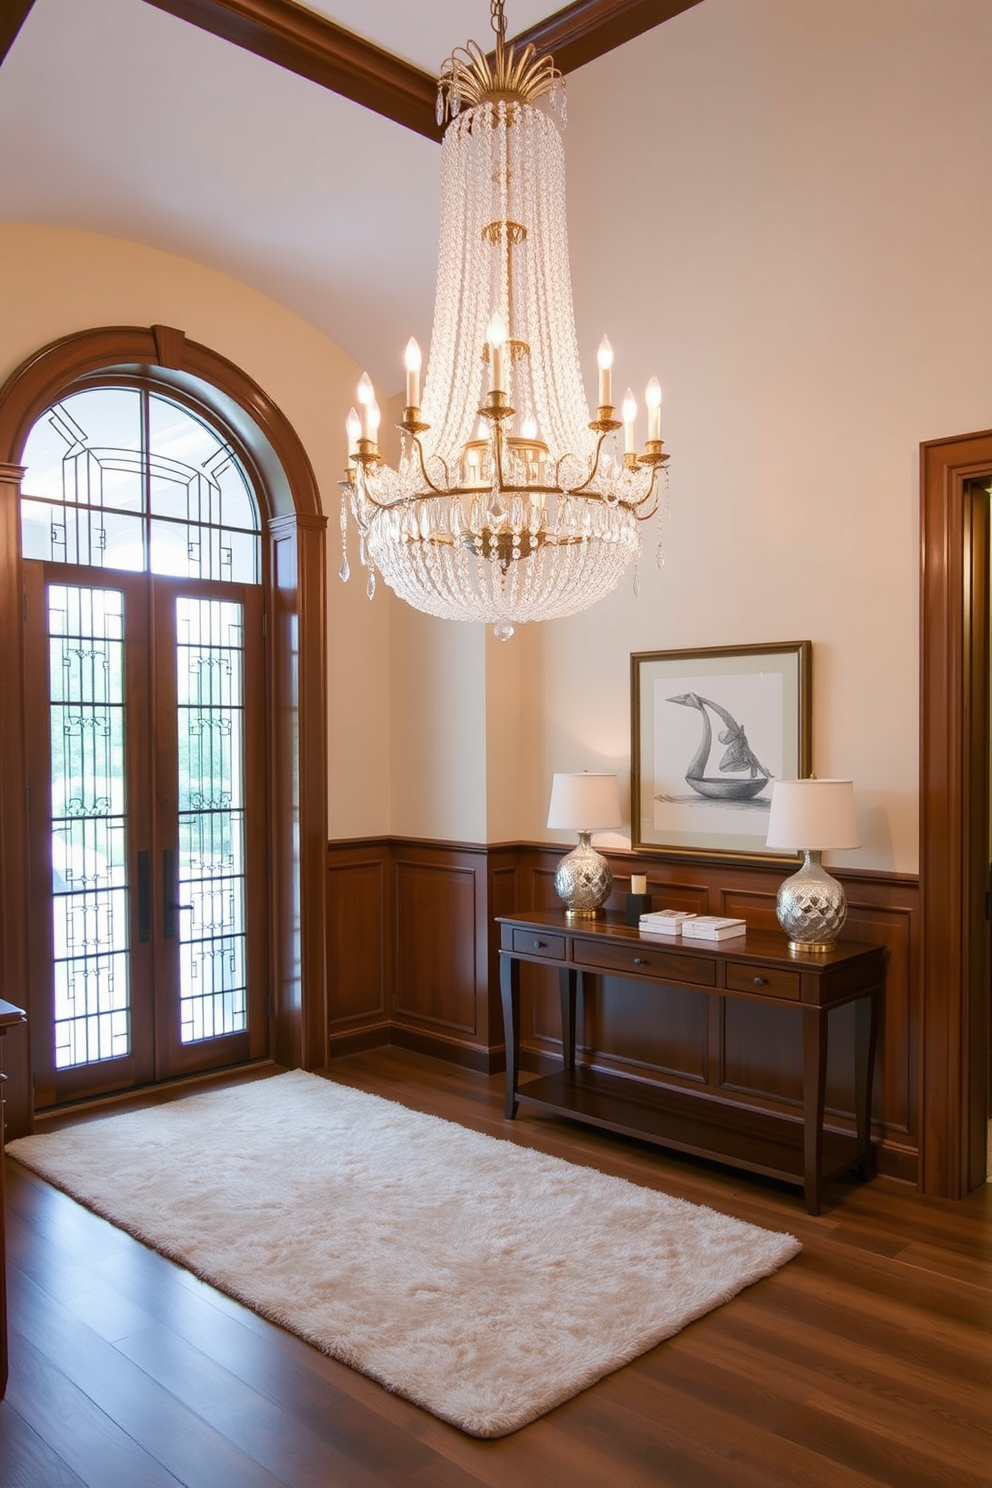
{"x": 125, "y": 478}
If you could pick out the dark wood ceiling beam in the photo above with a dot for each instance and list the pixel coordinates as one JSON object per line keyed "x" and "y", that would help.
{"x": 588, "y": 29}
{"x": 315, "y": 48}
{"x": 13, "y": 14}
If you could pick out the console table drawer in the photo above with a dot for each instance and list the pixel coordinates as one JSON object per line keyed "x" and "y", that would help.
{"x": 762, "y": 979}
{"x": 646, "y": 960}
{"x": 536, "y": 943}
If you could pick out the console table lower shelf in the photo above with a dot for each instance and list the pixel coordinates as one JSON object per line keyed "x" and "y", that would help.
{"x": 759, "y": 968}
{"x": 757, "y": 1141}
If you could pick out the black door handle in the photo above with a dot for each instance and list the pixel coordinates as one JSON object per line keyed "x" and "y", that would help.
{"x": 169, "y": 905}
{"x": 144, "y": 896}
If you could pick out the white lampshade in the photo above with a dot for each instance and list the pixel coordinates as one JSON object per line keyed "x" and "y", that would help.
{"x": 585, "y": 803}
{"x": 813, "y": 815}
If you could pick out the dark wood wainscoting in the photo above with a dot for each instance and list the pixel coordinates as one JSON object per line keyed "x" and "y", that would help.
{"x": 413, "y": 961}
{"x": 411, "y": 953}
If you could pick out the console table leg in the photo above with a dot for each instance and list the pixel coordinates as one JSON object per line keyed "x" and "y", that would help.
{"x": 814, "y": 1086}
{"x": 865, "y": 1041}
{"x": 567, "y": 978}
{"x": 509, "y": 987}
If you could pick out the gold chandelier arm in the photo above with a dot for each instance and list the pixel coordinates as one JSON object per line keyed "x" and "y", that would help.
{"x": 579, "y": 490}
{"x": 366, "y": 495}
{"x": 635, "y": 507}
{"x": 444, "y": 490}
{"x": 438, "y": 490}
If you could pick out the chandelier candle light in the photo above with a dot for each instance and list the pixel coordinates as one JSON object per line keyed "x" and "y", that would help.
{"x": 584, "y": 803}
{"x": 508, "y": 503}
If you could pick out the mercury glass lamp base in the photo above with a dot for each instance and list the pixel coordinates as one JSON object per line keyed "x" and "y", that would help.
{"x": 811, "y": 906}
{"x": 583, "y": 880}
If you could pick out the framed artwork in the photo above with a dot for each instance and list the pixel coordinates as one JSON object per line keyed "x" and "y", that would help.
{"x": 710, "y": 731}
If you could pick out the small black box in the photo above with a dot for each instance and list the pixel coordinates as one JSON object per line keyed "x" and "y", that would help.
{"x": 637, "y": 904}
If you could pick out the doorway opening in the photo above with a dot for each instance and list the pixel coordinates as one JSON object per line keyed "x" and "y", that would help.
{"x": 145, "y": 724}
{"x": 194, "y": 564}
{"x": 955, "y": 795}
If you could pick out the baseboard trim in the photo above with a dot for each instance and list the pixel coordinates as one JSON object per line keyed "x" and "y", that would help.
{"x": 902, "y": 1163}
{"x": 469, "y": 1056}
{"x": 360, "y": 1040}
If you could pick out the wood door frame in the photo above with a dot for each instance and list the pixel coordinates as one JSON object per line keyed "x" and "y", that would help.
{"x": 954, "y": 789}
{"x": 294, "y": 530}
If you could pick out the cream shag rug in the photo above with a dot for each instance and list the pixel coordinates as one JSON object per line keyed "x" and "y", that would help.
{"x": 483, "y": 1281}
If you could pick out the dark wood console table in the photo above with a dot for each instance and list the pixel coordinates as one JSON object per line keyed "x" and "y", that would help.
{"x": 758, "y": 966}
{"x": 10, "y": 1016}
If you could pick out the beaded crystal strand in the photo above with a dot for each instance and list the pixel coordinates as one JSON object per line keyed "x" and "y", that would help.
{"x": 509, "y": 504}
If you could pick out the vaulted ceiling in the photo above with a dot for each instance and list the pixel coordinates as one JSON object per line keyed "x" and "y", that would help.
{"x": 260, "y": 137}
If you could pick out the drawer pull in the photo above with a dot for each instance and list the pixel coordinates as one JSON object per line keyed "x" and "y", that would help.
{"x": 640, "y": 961}
{"x": 539, "y": 945}
{"x": 763, "y": 982}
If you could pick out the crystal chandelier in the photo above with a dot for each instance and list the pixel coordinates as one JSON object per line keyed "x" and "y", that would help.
{"x": 508, "y": 503}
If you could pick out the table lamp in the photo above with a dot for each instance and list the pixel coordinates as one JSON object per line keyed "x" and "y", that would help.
{"x": 584, "y": 803}
{"x": 812, "y": 816}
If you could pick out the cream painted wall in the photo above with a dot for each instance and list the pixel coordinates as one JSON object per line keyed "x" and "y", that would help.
{"x": 508, "y": 737}
{"x": 439, "y": 727}
{"x": 435, "y": 689}
{"x": 56, "y": 282}
{"x": 784, "y": 210}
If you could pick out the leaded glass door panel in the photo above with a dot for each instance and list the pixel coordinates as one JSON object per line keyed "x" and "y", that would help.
{"x": 90, "y": 803}
{"x": 143, "y": 644}
{"x": 147, "y": 840}
{"x": 208, "y": 741}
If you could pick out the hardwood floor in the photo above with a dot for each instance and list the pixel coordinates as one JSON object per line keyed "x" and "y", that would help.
{"x": 866, "y": 1360}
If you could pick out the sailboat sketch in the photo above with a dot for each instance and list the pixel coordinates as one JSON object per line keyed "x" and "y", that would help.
{"x": 751, "y": 776}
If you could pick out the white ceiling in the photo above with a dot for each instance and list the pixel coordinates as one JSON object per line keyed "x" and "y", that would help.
{"x": 118, "y": 118}
{"x": 426, "y": 33}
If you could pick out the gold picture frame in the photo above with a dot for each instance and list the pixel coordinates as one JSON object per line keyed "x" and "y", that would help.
{"x": 710, "y": 730}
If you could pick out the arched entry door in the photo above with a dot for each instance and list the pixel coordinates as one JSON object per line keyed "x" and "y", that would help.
{"x": 295, "y": 672}
{"x": 146, "y": 735}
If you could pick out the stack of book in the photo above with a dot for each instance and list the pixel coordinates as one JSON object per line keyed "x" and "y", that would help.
{"x": 664, "y": 922}
{"x": 713, "y": 927}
